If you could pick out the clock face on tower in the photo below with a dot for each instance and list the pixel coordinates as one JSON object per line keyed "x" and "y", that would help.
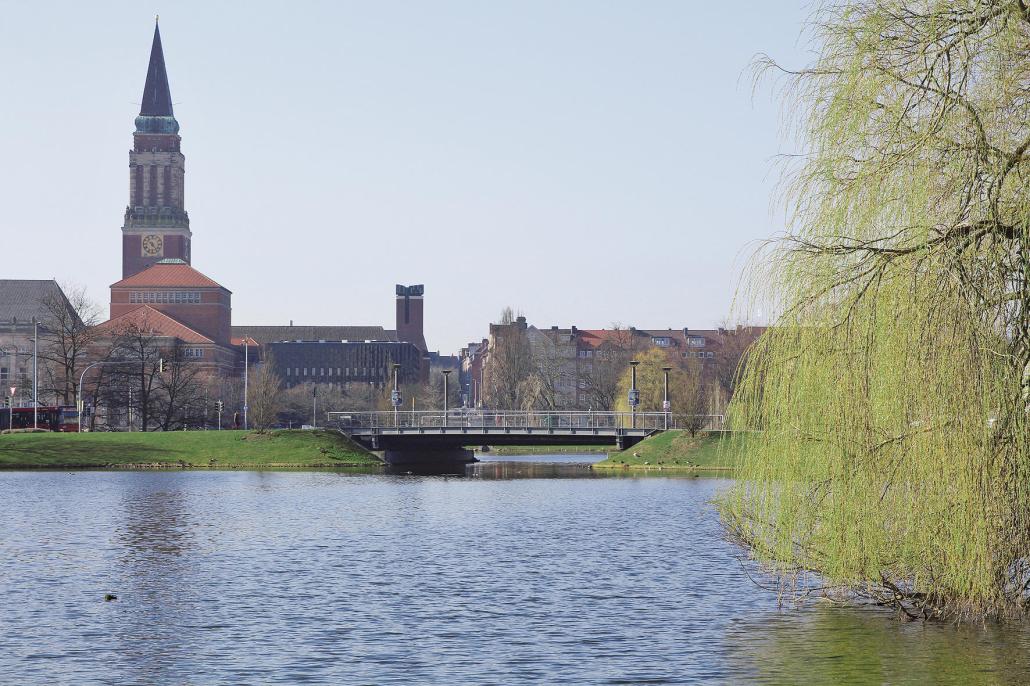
{"x": 153, "y": 245}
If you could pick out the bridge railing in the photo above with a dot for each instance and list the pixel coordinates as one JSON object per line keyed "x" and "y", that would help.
{"x": 481, "y": 419}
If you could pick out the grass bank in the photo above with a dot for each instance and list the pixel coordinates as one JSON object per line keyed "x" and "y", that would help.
{"x": 182, "y": 449}
{"x": 674, "y": 450}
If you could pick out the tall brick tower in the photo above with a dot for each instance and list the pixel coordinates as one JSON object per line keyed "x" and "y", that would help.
{"x": 156, "y": 224}
{"x": 409, "y": 315}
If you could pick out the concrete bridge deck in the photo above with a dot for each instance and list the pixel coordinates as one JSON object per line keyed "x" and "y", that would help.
{"x": 437, "y": 432}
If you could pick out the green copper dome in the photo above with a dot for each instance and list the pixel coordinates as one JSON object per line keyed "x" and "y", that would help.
{"x": 151, "y": 124}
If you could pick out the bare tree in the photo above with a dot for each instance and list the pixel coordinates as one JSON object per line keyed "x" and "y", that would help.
{"x": 553, "y": 369}
{"x": 600, "y": 378}
{"x": 266, "y": 396}
{"x": 66, "y": 332}
{"x": 733, "y": 345}
{"x": 690, "y": 393}
{"x": 137, "y": 346}
{"x": 509, "y": 363}
{"x": 179, "y": 388}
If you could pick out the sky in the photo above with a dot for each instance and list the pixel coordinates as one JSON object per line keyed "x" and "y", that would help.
{"x": 584, "y": 162}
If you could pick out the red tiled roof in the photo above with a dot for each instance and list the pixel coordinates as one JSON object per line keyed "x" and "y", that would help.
{"x": 147, "y": 318}
{"x": 164, "y": 275}
{"x": 239, "y": 341}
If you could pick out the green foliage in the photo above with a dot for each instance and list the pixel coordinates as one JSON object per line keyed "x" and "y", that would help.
{"x": 683, "y": 383}
{"x": 892, "y": 392}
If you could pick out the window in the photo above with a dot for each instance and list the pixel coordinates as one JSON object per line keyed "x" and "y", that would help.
{"x": 296, "y": 371}
{"x": 193, "y": 353}
{"x": 287, "y": 371}
{"x": 696, "y": 341}
{"x": 709, "y": 355}
{"x": 305, "y": 371}
{"x": 164, "y": 297}
{"x": 337, "y": 371}
{"x": 662, "y": 341}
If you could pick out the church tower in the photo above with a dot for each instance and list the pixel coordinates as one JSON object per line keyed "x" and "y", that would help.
{"x": 156, "y": 224}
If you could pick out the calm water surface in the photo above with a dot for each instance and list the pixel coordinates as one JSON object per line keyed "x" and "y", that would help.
{"x": 514, "y": 573}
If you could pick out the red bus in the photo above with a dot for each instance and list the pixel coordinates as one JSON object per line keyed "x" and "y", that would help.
{"x": 52, "y": 418}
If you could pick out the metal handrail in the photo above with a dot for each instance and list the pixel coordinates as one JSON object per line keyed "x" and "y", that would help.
{"x": 533, "y": 419}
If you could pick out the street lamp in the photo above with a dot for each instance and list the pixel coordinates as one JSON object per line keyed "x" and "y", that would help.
{"x": 666, "y": 405}
{"x": 446, "y": 375}
{"x": 395, "y": 394}
{"x": 246, "y": 374}
{"x": 35, "y": 373}
{"x": 634, "y": 394}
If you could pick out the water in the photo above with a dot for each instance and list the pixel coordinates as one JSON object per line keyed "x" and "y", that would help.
{"x": 516, "y": 573}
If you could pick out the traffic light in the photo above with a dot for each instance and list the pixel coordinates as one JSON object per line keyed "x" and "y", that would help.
{"x": 219, "y": 405}
{"x": 161, "y": 365}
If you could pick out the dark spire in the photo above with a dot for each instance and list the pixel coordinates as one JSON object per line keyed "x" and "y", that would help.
{"x": 157, "y": 98}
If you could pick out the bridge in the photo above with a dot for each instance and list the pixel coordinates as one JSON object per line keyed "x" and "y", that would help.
{"x": 408, "y": 436}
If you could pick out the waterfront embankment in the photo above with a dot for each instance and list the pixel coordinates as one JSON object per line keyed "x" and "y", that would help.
{"x": 183, "y": 449}
{"x": 674, "y": 450}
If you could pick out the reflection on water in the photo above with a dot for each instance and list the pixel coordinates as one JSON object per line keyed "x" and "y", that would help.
{"x": 502, "y": 572}
{"x": 835, "y": 645}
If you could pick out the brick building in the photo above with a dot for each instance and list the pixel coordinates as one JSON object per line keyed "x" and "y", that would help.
{"x": 339, "y": 355}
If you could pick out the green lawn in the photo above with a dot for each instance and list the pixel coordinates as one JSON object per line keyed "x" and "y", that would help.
{"x": 208, "y": 449}
{"x": 674, "y": 450}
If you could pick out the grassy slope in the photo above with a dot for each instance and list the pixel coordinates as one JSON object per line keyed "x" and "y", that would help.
{"x": 217, "y": 449}
{"x": 673, "y": 450}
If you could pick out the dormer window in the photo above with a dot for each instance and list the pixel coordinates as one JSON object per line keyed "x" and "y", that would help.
{"x": 696, "y": 341}
{"x": 662, "y": 341}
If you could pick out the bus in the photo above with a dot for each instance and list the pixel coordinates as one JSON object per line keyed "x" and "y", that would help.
{"x": 63, "y": 418}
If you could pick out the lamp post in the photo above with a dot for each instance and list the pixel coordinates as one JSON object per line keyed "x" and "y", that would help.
{"x": 666, "y": 405}
{"x": 35, "y": 373}
{"x": 246, "y": 374}
{"x": 446, "y": 375}
{"x": 634, "y": 394}
{"x": 395, "y": 394}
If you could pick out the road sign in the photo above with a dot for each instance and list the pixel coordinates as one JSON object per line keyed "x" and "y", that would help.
{"x": 634, "y": 397}
{"x": 666, "y": 405}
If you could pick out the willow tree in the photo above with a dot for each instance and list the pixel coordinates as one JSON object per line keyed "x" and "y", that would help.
{"x": 890, "y": 400}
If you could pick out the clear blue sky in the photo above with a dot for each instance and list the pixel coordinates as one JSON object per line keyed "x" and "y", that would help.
{"x": 586, "y": 162}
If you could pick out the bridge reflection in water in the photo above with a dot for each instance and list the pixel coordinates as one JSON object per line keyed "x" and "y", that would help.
{"x": 417, "y": 437}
